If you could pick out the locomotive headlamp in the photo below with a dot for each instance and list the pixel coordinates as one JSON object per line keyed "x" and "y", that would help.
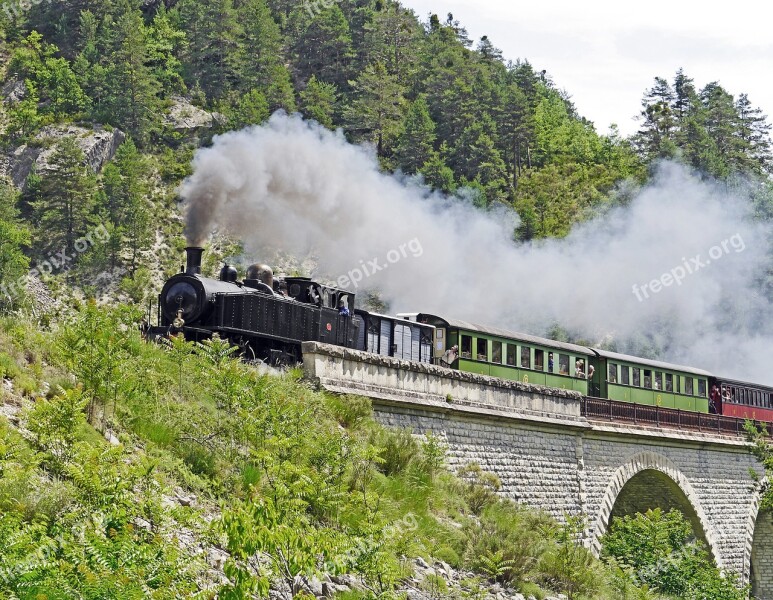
{"x": 182, "y": 299}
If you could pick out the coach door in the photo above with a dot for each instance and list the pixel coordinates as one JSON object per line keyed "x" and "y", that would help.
{"x": 440, "y": 342}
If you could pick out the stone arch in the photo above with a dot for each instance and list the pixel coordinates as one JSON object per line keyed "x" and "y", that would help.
{"x": 654, "y": 469}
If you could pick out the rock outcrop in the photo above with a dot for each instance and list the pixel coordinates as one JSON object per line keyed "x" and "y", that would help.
{"x": 184, "y": 117}
{"x": 98, "y": 144}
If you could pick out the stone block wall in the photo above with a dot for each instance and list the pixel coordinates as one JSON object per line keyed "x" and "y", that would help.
{"x": 762, "y": 558}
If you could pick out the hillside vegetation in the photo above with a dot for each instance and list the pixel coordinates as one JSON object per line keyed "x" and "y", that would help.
{"x": 133, "y": 470}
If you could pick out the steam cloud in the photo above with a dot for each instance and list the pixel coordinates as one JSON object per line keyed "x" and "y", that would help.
{"x": 294, "y": 186}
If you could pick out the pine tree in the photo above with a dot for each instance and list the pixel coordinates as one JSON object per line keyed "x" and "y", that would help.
{"x": 134, "y": 104}
{"x": 63, "y": 208}
{"x": 722, "y": 125}
{"x": 261, "y": 43}
{"x": 754, "y": 131}
{"x": 437, "y": 174}
{"x": 685, "y": 97}
{"x": 376, "y": 113}
{"x": 391, "y": 37}
{"x": 325, "y": 49}
{"x": 126, "y": 189}
{"x": 515, "y": 123}
{"x": 251, "y": 109}
{"x": 214, "y": 50}
{"x": 474, "y": 149}
{"x": 13, "y": 237}
{"x": 318, "y": 102}
{"x": 488, "y": 51}
{"x": 416, "y": 141}
{"x": 656, "y": 137}
{"x": 164, "y": 44}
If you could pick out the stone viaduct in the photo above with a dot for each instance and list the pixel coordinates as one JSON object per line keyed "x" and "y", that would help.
{"x": 548, "y": 456}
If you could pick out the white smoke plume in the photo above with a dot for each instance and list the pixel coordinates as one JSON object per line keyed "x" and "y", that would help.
{"x": 294, "y": 186}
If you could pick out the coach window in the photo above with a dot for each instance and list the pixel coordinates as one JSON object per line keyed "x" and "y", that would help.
{"x": 688, "y": 386}
{"x": 637, "y": 377}
{"x": 658, "y": 380}
{"x": 482, "y": 349}
{"x": 511, "y": 355}
{"x": 648, "y": 379}
{"x": 466, "y": 346}
{"x": 525, "y": 357}
{"x": 563, "y": 364}
{"x": 539, "y": 360}
{"x": 625, "y": 377}
{"x": 702, "y": 388}
{"x": 669, "y": 382}
{"x": 496, "y": 352}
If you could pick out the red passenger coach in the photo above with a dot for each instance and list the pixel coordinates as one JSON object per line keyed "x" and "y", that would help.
{"x": 745, "y": 400}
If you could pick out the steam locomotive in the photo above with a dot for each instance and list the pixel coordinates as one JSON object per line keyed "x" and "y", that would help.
{"x": 269, "y": 318}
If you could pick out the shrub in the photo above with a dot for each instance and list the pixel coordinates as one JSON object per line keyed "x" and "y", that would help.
{"x": 658, "y": 549}
{"x": 568, "y": 566}
{"x": 481, "y": 487}
{"x": 507, "y": 542}
{"x": 398, "y": 448}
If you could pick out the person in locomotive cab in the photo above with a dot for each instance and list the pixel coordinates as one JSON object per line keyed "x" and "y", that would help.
{"x": 343, "y": 310}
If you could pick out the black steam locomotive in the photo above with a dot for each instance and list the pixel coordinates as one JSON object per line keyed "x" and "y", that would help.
{"x": 269, "y": 318}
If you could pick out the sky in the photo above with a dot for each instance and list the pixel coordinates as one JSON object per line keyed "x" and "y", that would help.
{"x": 607, "y": 54}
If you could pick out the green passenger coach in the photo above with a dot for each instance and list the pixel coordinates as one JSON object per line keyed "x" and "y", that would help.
{"x": 632, "y": 379}
{"x": 509, "y": 355}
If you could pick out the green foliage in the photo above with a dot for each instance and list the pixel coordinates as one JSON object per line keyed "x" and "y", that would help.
{"x": 64, "y": 202}
{"x": 125, "y": 187}
{"x": 397, "y": 450}
{"x": 377, "y": 110}
{"x": 318, "y": 102}
{"x": 308, "y": 480}
{"x": 54, "y": 424}
{"x": 762, "y": 449}
{"x": 481, "y": 487}
{"x": 568, "y": 565}
{"x": 508, "y": 542}
{"x": 708, "y": 129}
{"x": 35, "y": 61}
{"x": 416, "y": 141}
{"x": 13, "y": 237}
{"x": 658, "y": 549}
{"x": 24, "y": 119}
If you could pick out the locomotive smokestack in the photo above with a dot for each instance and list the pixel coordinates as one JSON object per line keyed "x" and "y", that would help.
{"x": 193, "y": 266}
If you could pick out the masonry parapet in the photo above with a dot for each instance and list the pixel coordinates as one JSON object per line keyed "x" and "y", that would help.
{"x": 393, "y": 381}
